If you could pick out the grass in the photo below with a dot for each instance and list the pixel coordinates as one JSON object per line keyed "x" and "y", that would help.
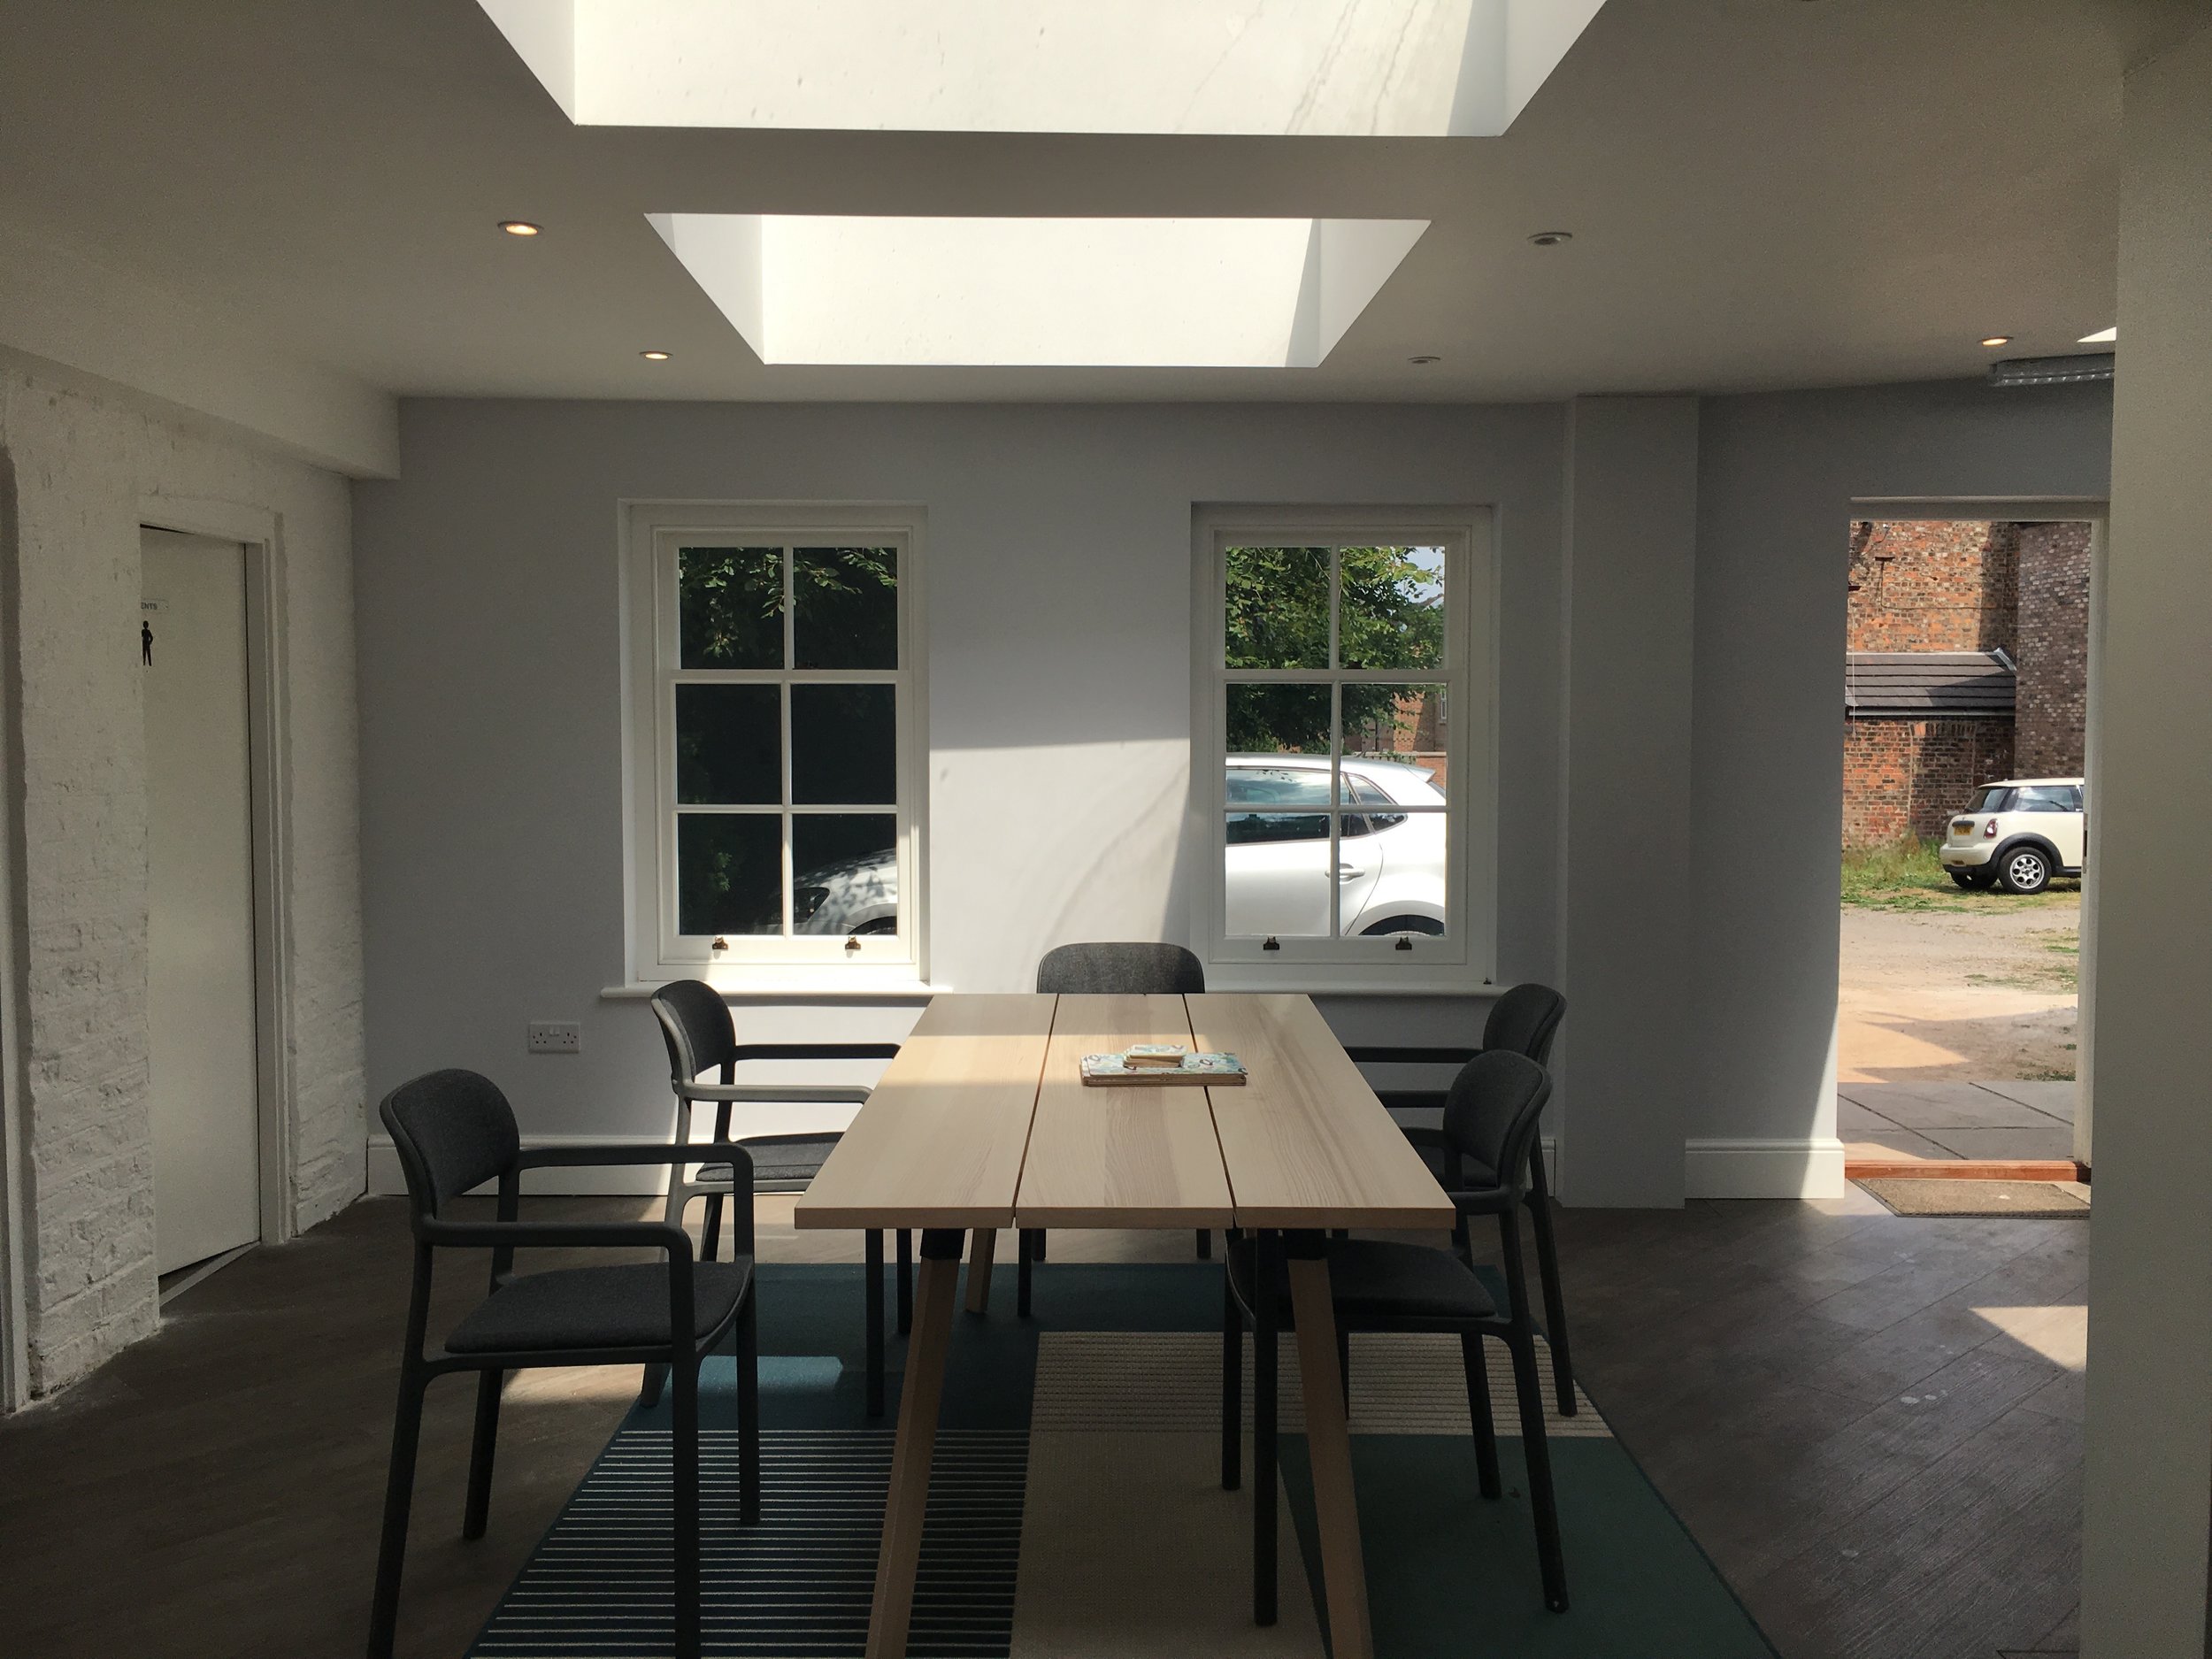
{"x": 1906, "y": 875}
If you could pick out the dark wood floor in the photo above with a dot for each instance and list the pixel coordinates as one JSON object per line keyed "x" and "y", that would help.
{"x": 1879, "y": 1469}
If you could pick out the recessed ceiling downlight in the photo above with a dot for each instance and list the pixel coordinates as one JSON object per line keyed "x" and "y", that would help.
{"x": 1996, "y": 340}
{"x": 653, "y": 356}
{"x": 520, "y": 228}
{"x": 1424, "y": 359}
{"x": 1552, "y": 238}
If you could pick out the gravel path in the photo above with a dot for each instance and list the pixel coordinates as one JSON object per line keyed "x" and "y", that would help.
{"x": 1953, "y": 995}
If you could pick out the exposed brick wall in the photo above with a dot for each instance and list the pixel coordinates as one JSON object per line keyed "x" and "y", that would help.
{"x": 1933, "y": 586}
{"x": 1905, "y": 777}
{"x": 83, "y": 460}
{"x": 2054, "y": 654}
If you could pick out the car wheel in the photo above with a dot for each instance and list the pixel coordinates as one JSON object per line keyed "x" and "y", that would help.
{"x": 1973, "y": 879}
{"x": 1404, "y": 925}
{"x": 2024, "y": 870}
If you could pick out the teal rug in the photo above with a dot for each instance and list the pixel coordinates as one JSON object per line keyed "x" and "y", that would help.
{"x": 1075, "y": 1506}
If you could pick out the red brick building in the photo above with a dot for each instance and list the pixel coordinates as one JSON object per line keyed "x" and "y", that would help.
{"x": 1968, "y": 660}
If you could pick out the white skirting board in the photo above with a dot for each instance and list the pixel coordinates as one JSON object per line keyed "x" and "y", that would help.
{"x": 1810, "y": 1167}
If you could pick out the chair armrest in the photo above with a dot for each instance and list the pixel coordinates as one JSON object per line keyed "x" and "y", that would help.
{"x": 794, "y": 1094}
{"x": 1367, "y": 1055}
{"x": 606, "y": 1153}
{"x": 817, "y": 1051}
{"x": 536, "y": 1234}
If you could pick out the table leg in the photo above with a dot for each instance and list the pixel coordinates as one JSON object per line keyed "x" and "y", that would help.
{"x": 935, "y": 1291}
{"x": 1329, "y": 1449}
{"x": 979, "y": 1256}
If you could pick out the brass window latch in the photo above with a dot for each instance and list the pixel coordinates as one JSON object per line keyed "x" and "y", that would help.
{"x": 852, "y": 943}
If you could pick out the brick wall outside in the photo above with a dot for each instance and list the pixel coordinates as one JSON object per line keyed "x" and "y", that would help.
{"x": 2053, "y": 649}
{"x": 1907, "y": 776}
{"x": 83, "y": 462}
{"x": 1933, "y": 586}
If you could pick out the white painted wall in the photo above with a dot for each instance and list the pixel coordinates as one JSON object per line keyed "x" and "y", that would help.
{"x": 77, "y": 459}
{"x": 1059, "y": 651}
{"x": 1776, "y": 477}
{"x": 1059, "y": 645}
{"x": 1624, "y": 1051}
{"x": 2147, "y": 1485}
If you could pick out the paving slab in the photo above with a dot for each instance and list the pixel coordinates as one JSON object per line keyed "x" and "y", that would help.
{"x": 1946, "y": 1105}
{"x": 1888, "y": 1145}
{"x": 2013, "y": 1142}
{"x": 2056, "y": 1099}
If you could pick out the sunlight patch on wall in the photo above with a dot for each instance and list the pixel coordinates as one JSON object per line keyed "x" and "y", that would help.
{"x": 1348, "y": 68}
{"x": 1227, "y": 293}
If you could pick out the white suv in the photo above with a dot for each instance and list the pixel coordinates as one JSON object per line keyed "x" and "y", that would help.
{"x": 2017, "y": 834}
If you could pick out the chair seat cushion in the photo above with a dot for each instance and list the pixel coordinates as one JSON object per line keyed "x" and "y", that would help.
{"x": 1376, "y": 1283}
{"x": 598, "y": 1307}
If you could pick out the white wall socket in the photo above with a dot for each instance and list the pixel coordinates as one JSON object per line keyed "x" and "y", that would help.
{"x": 555, "y": 1036}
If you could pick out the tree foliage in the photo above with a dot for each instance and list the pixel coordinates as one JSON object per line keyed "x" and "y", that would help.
{"x": 1276, "y": 615}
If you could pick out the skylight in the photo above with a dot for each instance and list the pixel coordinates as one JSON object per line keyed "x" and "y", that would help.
{"x": 1350, "y": 68}
{"x": 1233, "y": 293}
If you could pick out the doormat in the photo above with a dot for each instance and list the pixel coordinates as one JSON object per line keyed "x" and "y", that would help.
{"x": 2030, "y": 1200}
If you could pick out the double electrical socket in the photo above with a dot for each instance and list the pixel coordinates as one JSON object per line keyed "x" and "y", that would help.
{"x": 555, "y": 1036}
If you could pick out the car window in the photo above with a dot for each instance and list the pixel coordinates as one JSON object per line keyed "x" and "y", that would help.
{"x": 1279, "y": 786}
{"x": 1995, "y": 798}
{"x": 1248, "y": 829}
{"x": 1364, "y": 792}
{"x": 2047, "y": 797}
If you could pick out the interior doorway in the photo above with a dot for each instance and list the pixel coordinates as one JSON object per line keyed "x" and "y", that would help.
{"x": 1965, "y": 994}
{"x": 203, "y": 1040}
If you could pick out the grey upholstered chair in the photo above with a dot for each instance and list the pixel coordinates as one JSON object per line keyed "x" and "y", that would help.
{"x": 1111, "y": 969}
{"x": 453, "y": 1130}
{"x": 700, "y": 1035}
{"x": 1491, "y": 1114}
{"x": 1523, "y": 1021}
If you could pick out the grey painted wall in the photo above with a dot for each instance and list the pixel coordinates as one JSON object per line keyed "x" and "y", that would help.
{"x": 1057, "y": 615}
{"x": 1776, "y": 479}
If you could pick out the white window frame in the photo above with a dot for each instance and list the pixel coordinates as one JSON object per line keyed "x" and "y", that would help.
{"x": 654, "y": 533}
{"x": 1464, "y": 957}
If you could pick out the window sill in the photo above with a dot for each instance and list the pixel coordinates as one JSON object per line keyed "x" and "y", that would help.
{"x": 786, "y": 985}
{"x": 1322, "y": 984}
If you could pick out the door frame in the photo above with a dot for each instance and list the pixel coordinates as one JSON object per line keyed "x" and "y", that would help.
{"x": 15, "y": 1370}
{"x": 260, "y": 533}
{"x": 2095, "y": 511}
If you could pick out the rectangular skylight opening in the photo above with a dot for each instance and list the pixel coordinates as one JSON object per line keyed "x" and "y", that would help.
{"x": 1346, "y": 69}
{"x": 1141, "y": 293}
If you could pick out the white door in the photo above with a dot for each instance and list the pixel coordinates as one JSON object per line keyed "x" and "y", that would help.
{"x": 201, "y": 1075}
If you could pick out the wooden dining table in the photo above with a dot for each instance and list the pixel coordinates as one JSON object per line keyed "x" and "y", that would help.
{"x": 983, "y": 1121}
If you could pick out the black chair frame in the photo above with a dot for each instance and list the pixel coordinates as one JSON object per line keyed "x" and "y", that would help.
{"x": 1536, "y": 1045}
{"x": 1260, "y": 1312}
{"x": 681, "y": 1357}
{"x": 725, "y": 1091}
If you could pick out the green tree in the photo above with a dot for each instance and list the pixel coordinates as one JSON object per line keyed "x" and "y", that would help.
{"x": 1276, "y": 615}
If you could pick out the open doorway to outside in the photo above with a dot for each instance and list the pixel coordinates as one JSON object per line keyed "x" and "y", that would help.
{"x": 1966, "y": 701}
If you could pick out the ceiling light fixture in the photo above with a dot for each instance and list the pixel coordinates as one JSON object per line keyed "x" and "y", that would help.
{"x": 655, "y": 356}
{"x": 2102, "y": 337}
{"x": 1552, "y": 238}
{"x": 1996, "y": 340}
{"x": 519, "y": 227}
{"x": 1425, "y": 359}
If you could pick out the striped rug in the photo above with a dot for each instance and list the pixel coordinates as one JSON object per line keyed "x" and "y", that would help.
{"x": 1076, "y": 1511}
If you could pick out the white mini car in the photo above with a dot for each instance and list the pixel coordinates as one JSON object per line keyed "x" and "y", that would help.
{"x": 1390, "y": 865}
{"x": 2017, "y": 834}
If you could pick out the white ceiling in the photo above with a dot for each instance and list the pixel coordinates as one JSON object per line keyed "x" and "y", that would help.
{"x": 1762, "y": 193}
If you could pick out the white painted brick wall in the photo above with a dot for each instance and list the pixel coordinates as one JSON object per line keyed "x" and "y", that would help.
{"x": 84, "y": 456}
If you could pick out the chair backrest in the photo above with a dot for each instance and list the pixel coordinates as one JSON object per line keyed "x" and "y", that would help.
{"x": 1525, "y": 1020}
{"x": 695, "y": 1024}
{"x": 1492, "y": 1111}
{"x": 453, "y": 1130}
{"x": 1120, "y": 969}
